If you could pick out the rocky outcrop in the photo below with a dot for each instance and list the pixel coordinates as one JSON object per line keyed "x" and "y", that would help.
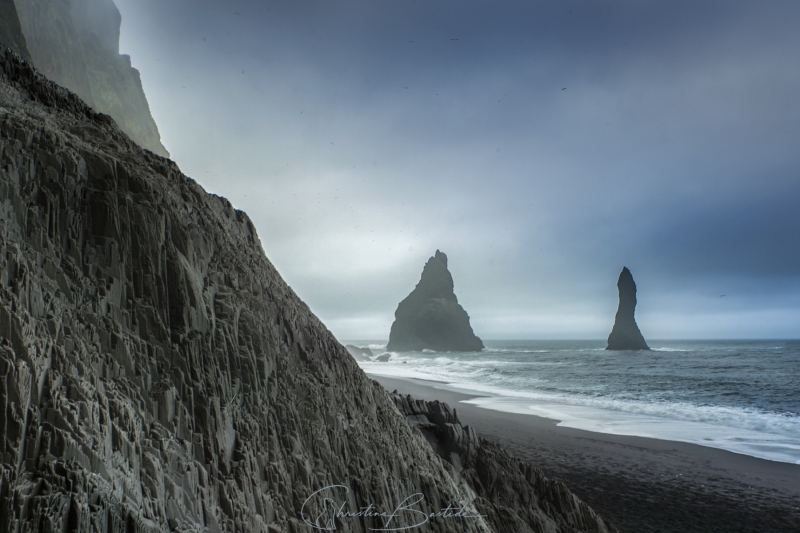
{"x": 625, "y": 334}
{"x": 359, "y": 354}
{"x": 76, "y": 44}
{"x": 156, "y": 372}
{"x": 431, "y": 317}
{"x": 11, "y": 30}
{"x": 512, "y": 494}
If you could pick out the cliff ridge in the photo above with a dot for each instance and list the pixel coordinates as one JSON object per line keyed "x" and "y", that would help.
{"x": 76, "y": 44}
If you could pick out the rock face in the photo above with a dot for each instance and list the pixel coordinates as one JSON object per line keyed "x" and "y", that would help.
{"x": 76, "y": 44}
{"x": 431, "y": 317}
{"x": 156, "y": 373}
{"x": 626, "y": 335}
{"x": 513, "y": 495}
{"x": 359, "y": 354}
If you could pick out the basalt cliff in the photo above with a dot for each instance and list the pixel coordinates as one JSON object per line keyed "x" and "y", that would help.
{"x": 513, "y": 495}
{"x": 431, "y": 317}
{"x": 625, "y": 334}
{"x": 76, "y": 44}
{"x": 157, "y": 374}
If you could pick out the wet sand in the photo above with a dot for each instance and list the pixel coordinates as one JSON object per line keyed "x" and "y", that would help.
{"x": 641, "y": 484}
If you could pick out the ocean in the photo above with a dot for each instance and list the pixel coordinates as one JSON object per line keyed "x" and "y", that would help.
{"x": 741, "y": 396}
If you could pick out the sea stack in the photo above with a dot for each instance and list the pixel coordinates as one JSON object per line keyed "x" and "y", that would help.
{"x": 431, "y": 317}
{"x": 626, "y": 335}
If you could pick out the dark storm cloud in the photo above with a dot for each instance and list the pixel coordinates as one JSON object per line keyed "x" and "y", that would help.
{"x": 542, "y": 145}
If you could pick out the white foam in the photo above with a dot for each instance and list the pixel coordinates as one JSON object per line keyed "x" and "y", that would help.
{"x": 774, "y": 446}
{"x": 375, "y": 347}
{"x": 511, "y": 350}
{"x": 751, "y": 431}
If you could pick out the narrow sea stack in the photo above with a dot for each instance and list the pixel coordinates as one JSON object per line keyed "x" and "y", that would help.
{"x": 431, "y": 317}
{"x": 625, "y": 334}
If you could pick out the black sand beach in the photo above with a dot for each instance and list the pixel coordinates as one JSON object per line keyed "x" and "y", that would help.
{"x": 641, "y": 484}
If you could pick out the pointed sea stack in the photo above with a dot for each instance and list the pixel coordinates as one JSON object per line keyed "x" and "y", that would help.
{"x": 626, "y": 335}
{"x": 431, "y": 317}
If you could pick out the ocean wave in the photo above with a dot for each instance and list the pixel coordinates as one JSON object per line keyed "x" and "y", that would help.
{"x": 394, "y": 369}
{"x": 769, "y": 436}
{"x": 786, "y": 424}
{"x": 590, "y": 396}
{"x": 611, "y": 410}
{"x": 723, "y": 389}
{"x": 510, "y": 350}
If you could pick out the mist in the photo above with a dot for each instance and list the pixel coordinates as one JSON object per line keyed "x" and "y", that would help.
{"x": 541, "y": 145}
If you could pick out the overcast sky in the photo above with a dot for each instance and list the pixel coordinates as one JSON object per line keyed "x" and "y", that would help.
{"x": 540, "y": 145}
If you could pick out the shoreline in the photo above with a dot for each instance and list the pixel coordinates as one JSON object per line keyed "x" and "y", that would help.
{"x": 703, "y": 409}
{"x": 640, "y": 483}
